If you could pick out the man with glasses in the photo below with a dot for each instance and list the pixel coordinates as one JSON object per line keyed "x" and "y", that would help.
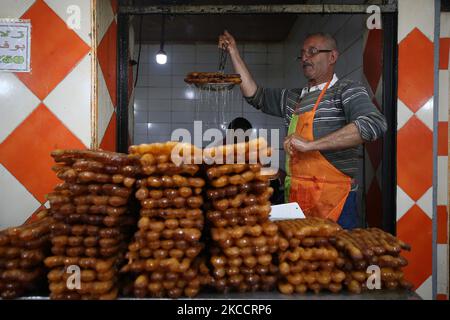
{"x": 327, "y": 122}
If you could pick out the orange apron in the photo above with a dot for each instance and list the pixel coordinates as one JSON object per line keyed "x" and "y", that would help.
{"x": 319, "y": 188}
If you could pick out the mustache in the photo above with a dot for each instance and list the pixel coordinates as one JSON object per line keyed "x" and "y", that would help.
{"x": 307, "y": 64}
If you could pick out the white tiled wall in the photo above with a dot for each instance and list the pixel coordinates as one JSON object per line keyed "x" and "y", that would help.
{"x": 346, "y": 28}
{"x": 163, "y": 101}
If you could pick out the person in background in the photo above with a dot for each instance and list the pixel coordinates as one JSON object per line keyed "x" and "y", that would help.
{"x": 278, "y": 182}
{"x": 327, "y": 121}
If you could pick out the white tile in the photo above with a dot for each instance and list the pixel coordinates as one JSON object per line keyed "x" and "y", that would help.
{"x": 177, "y": 81}
{"x": 153, "y": 138}
{"x": 403, "y": 114}
{"x": 425, "y": 289}
{"x": 17, "y": 109}
{"x": 140, "y": 116}
{"x": 75, "y": 112}
{"x": 255, "y": 47}
{"x": 275, "y": 58}
{"x": 140, "y": 104}
{"x": 182, "y": 117}
{"x": 159, "y": 69}
{"x": 67, "y": 9}
{"x": 252, "y": 58}
{"x": 183, "y": 57}
{"x": 104, "y": 105}
{"x": 209, "y": 57}
{"x": 159, "y": 81}
{"x": 425, "y": 114}
{"x": 140, "y": 129}
{"x": 445, "y": 25}
{"x": 442, "y": 268}
{"x": 159, "y": 116}
{"x": 426, "y": 203}
{"x": 139, "y": 139}
{"x": 275, "y": 47}
{"x": 159, "y": 129}
{"x": 14, "y": 8}
{"x": 105, "y": 16}
{"x": 142, "y": 80}
{"x": 144, "y": 68}
{"x": 442, "y": 196}
{"x": 415, "y": 14}
{"x": 159, "y": 104}
{"x": 444, "y": 94}
{"x": 159, "y": 93}
{"x": 16, "y": 202}
{"x": 182, "y": 93}
{"x": 209, "y": 67}
{"x": 275, "y": 82}
{"x": 182, "y": 68}
{"x": 186, "y": 48}
{"x": 275, "y": 71}
{"x": 404, "y": 202}
{"x": 141, "y": 93}
{"x": 183, "y": 105}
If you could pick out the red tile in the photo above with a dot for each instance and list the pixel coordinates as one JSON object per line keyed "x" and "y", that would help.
{"x": 415, "y": 228}
{"x": 442, "y": 225}
{"x": 26, "y": 151}
{"x": 375, "y": 151}
{"x": 109, "y": 139}
{"x": 107, "y": 57}
{"x": 442, "y": 297}
{"x": 415, "y": 70}
{"x": 373, "y": 205}
{"x": 373, "y": 58}
{"x": 115, "y": 6}
{"x": 55, "y": 50}
{"x": 442, "y": 138}
{"x": 415, "y": 158}
{"x": 444, "y": 51}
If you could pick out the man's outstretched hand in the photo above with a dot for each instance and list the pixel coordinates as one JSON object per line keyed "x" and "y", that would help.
{"x": 227, "y": 40}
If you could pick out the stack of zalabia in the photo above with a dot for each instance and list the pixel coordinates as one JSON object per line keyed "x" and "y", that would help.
{"x": 93, "y": 221}
{"x": 162, "y": 258}
{"x": 360, "y": 249}
{"x": 307, "y": 259}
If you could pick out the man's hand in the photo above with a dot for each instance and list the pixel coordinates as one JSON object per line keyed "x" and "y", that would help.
{"x": 226, "y": 39}
{"x": 294, "y": 143}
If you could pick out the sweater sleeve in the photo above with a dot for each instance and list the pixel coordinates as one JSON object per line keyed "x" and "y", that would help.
{"x": 361, "y": 111}
{"x": 268, "y": 100}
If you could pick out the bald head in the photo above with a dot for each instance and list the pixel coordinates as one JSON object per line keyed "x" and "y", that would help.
{"x": 328, "y": 40}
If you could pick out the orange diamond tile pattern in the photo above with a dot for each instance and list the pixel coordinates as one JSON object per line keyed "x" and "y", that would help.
{"x": 26, "y": 151}
{"x": 442, "y": 224}
{"x": 442, "y": 138}
{"x": 414, "y": 158}
{"x": 415, "y": 70}
{"x": 107, "y": 57}
{"x": 444, "y": 51}
{"x": 109, "y": 138}
{"x": 373, "y": 58}
{"x": 55, "y": 50}
{"x": 415, "y": 228}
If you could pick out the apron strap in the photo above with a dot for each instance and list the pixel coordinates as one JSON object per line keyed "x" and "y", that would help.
{"x": 321, "y": 96}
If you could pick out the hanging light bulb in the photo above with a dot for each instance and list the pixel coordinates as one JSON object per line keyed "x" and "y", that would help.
{"x": 161, "y": 56}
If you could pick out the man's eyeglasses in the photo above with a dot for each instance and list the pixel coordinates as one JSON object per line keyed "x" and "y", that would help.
{"x": 311, "y": 52}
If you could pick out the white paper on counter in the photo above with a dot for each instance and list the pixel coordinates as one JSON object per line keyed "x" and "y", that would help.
{"x": 286, "y": 211}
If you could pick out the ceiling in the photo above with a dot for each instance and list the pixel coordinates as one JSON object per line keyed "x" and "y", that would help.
{"x": 207, "y": 28}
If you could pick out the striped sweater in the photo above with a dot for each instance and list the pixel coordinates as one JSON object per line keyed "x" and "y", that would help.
{"x": 343, "y": 103}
